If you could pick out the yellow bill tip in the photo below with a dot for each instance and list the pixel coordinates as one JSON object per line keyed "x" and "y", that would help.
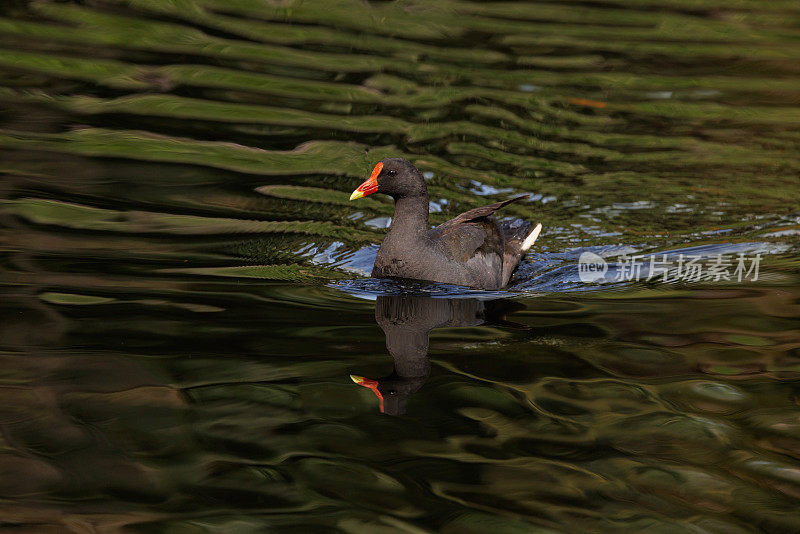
{"x": 357, "y": 379}
{"x": 356, "y": 194}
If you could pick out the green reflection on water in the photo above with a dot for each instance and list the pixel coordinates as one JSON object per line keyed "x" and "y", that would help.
{"x": 174, "y": 201}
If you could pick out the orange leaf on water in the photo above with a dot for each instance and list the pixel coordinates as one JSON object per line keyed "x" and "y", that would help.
{"x": 585, "y": 102}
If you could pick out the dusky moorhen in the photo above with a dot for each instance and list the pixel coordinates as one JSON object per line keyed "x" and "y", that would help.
{"x": 472, "y": 249}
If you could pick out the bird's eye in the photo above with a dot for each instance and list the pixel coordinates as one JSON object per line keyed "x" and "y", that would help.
{"x": 391, "y": 173}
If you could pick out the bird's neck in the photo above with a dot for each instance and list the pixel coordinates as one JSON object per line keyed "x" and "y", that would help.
{"x": 409, "y": 349}
{"x": 410, "y": 217}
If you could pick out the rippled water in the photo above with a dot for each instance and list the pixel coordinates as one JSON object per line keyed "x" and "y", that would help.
{"x": 183, "y": 278}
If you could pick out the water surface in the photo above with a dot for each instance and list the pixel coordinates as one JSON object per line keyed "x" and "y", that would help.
{"x": 184, "y": 281}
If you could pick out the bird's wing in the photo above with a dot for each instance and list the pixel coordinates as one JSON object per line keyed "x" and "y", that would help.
{"x": 461, "y": 238}
{"x": 478, "y": 213}
{"x": 459, "y": 242}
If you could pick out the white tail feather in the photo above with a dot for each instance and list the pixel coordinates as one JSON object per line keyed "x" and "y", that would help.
{"x": 531, "y": 239}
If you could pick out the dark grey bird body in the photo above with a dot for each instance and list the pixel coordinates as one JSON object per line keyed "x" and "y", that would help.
{"x": 472, "y": 249}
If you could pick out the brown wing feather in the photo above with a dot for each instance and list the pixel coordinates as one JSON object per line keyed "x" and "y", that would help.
{"x": 477, "y": 213}
{"x": 460, "y": 237}
{"x": 459, "y": 242}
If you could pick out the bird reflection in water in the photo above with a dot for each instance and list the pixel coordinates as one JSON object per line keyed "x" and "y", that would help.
{"x": 407, "y": 321}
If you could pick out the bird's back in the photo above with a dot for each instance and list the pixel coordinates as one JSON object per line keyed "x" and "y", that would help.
{"x": 472, "y": 249}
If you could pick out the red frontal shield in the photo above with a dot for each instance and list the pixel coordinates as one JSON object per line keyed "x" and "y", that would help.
{"x": 370, "y": 185}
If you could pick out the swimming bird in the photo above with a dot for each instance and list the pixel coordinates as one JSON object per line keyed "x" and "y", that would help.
{"x": 473, "y": 249}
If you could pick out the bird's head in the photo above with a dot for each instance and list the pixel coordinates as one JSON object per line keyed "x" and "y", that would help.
{"x": 396, "y": 177}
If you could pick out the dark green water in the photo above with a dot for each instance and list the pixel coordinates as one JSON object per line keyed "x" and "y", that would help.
{"x": 183, "y": 279}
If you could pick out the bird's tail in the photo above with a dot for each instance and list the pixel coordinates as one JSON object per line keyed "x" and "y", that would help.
{"x": 531, "y": 239}
{"x": 519, "y": 238}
